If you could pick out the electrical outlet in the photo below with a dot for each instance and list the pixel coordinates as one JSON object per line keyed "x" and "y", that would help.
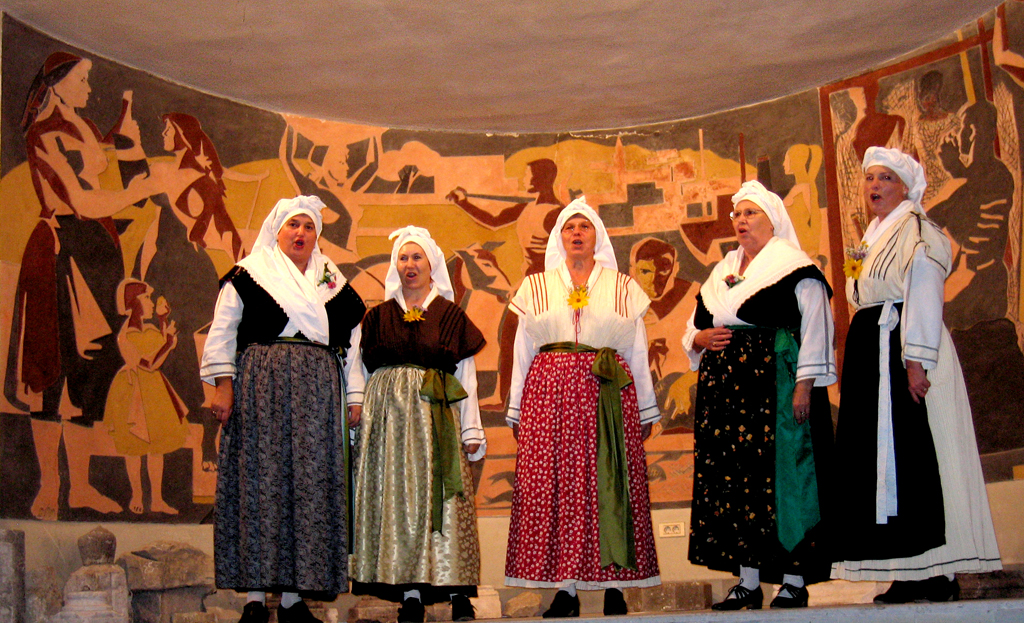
{"x": 672, "y": 530}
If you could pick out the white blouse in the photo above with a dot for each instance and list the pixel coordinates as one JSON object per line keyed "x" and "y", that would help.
{"x": 613, "y": 318}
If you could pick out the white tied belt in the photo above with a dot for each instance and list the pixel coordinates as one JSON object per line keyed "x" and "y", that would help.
{"x": 885, "y": 468}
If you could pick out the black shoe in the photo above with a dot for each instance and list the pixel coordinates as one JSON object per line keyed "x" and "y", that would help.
{"x": 255, "y": 612}
{"x": 563, "y": 605}
{"x": 902, "y": 592}
{"x": 462, "y": 608}
{"x": 297, "y": 613}
{"x": 614, "y": 602}
{"x": 412, "y": 611}
{"x": 941, "y": 588}
{"x": 741, "y": 597}
{"x": 795, "y": 597}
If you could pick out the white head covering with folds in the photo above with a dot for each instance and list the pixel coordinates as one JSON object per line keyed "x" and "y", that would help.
{"x": 908, "y": 170}
{"x": 301, "y": 295}
{"x": 772, "y": 205}
{"x": 442, "y": 282}
{"x": 604, "y": 254}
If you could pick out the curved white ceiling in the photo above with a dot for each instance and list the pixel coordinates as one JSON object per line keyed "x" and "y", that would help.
{"x": 501, "y": 66}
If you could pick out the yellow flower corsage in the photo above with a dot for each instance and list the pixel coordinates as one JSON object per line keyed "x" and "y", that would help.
{"x": 578, "y": 298}
{"x": 415, "y": 314}
{"x": 852, "y": 267}
{"x": 854, "y": 263}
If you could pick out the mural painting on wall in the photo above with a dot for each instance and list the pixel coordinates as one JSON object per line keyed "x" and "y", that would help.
{"x": 126, "y": 197}
{"x": 955, "y": 107}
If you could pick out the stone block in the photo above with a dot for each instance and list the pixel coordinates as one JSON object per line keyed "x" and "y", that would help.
{"x": 194, "y": 617}
{"x": 1005, "y": 584}
{"x": 157, "y": 606}
{"x": 43, "y": 597}
{"x": 438, "y": 612}
{"x": 372, "y": 609}
{"x": 693, "y": 595}
{"x": 224, "y": 615}
{"x": 669, "y": 597}
{"x": 12, "y": 576}
{"x": 487, "y": 603}
{"x": 95, "y": 593}
{"x": 97, "y": 547}
{"x": 316, "y": 608}
{"x": 225, "y": 599}
{"x": 167, "y": 564}
{"x": 523, "y": 605}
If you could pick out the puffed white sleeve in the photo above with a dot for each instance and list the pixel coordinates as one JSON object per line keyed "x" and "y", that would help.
{"x": 640, "y": 366}
{"x": 688, "y": 337}
{"x": 222, "y": 341}
{"x": 817, "y": 358}
{"x": 522, "y": 357}
{"x": 469, "y": 409}
{"x": 355, "y": 372}
{"x": 922, "y": 309}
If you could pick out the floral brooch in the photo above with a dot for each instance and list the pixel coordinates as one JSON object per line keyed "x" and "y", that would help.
{"x": 854, "y": 263}
{"x": 733, "y": 280}
{"x": 329, "y": 278}
{"x": 414, "y": 314}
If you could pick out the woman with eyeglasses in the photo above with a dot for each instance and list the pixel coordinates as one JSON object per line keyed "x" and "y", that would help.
{"x": 761, "y": 338}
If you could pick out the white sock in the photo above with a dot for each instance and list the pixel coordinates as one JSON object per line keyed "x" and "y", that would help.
{"x": 260, "y": 596}
{"x": 950, "y": 576}
{"x": 750, "y": 577}
{"x": 793, "y": 580}
{"x": 289, "y": 599}
{"x": 571, "y": 589}
{"x": 413, "y": 594}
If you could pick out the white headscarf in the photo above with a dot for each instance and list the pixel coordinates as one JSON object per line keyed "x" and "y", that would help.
{"x": 284, "y": 210}
{"x": 604, "y": 254}
{"x": 772, "y": 205}
{"x": 908, "y": 170}
{"x": 438, "y": 270}
{"x": 300, "y": 295}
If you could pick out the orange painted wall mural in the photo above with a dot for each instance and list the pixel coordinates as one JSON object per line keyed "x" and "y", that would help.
{"x": 125, "y": 197}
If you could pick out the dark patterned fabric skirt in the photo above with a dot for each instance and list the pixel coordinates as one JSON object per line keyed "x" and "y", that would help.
{"x": 733, "y": 516}
{"x": 554, "y": 537}
{"x": 281, "y": 516}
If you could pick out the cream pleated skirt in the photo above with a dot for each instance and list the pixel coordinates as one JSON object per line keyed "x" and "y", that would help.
{"x": 970, "y": 538}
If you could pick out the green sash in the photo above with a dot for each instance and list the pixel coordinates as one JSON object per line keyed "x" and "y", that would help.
{"x": 796, "y": 482}
{"x": 441, "y": 389}
{"x": 615, "y": 515}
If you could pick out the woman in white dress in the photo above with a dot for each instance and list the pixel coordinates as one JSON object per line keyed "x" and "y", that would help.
{"x": 914, "y": 507}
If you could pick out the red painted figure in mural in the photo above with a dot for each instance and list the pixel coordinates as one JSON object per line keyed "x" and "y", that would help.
{"x": 65, "y": 311}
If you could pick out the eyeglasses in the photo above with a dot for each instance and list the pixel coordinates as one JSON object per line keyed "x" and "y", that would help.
{"x": 748, "y": 213}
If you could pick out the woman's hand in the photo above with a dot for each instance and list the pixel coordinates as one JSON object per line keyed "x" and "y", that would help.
{"x": 223, "y": 399}
{"x": 515, "y": 432}
{"x": 645, "y": 431}
{"x": 470, "y": 448}
{"x": 918, "y": 381}
{"x": 715, "y": 338}
{"x": 355, "y": 415}
{"x": 802, "y": 400}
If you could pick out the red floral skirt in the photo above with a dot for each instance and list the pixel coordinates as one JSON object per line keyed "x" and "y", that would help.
{"x": 554, "y": 537}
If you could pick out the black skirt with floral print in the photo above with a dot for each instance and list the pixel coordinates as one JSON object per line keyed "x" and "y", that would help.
{"x": 734, "y": 507}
